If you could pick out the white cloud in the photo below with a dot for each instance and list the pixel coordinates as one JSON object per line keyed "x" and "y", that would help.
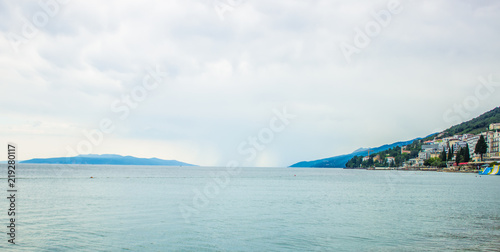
{"x": 226, "y": 76}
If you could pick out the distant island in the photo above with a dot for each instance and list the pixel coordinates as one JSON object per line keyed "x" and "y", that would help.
{"x": 106, "y": 159}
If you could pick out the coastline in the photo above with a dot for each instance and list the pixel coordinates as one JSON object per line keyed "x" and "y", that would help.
{"x": 435, "y": 169}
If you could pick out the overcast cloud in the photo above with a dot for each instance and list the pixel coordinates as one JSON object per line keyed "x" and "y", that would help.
{"x": 227, "y": 71}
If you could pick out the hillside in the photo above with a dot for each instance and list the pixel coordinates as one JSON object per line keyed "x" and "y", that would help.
{"x": 106, "y": 159}
{"x": 340, "y": 161}
{"x": 473, "y": 126}
{"x": 476, "y": 125}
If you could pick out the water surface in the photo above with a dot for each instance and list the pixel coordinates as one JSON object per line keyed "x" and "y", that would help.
{"x": 152, "y": 208}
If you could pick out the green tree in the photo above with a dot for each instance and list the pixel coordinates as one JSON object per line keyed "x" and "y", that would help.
{"x": 354, "y": 162}
{"x": 436, "y": 162}
{"x": 428, "y": 162}
{"x": 443, "y": 155}
{"x": 458, "y": 157}
{"x": 370, "y": 161}
{"x": 462, "y": 155}
{"x": 481, "y": 147}
{"x": 466, "y": 153}
{"x": 450, "y": 154}
{"x": 364, "y": 164}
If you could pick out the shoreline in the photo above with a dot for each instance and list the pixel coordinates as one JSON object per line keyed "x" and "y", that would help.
{"x": 435, "y": 169}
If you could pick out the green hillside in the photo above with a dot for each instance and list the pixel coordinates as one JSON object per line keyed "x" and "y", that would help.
{"x": 476, "y": 125}
{"x": 473, "y": 126}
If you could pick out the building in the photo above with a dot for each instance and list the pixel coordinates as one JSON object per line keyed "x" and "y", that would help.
{"x": 453, "y": 141}
{"x": 390, "y": 160}
{"x": 472, "y": 141}
{"x": 376, "y": 158}
{"x": 403, "y": 150}
{"x": 495, "y": 126}
{"x": 424, "y": 155}
{"x": 414, "y": 162}
{"x": 465, "y": 136}
{"x": 366, "y": 158}
{"x": 430, "y": 147}
{"x": 493, "y": 142}
{"x": 458, "y": 145}
{"x": 476, "y": 158}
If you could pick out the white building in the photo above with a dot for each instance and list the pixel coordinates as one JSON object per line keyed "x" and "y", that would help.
{"x": 472, "y": 141}
{"x": 424, "y": 155}
{"x": 493, "y": 142}
{"x": 413, "y": 162}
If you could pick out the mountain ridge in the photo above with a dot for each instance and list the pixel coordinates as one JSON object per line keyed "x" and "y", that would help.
{"x": 472, "y": 126}
{"x": 340, "y": 160}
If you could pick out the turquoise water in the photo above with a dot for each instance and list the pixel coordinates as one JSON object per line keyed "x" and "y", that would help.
{"x": 144, "y": 208}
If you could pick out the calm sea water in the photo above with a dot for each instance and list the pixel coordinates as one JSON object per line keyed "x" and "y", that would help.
{"x": 145, "y": 208}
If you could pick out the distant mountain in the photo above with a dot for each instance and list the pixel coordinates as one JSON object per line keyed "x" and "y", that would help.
{"x": 106, "y": 159}
{"x": 340, "y": 161}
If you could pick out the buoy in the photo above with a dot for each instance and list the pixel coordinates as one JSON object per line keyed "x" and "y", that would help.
{"x": 294, "y": 175}
{"x": 91, "y": 177}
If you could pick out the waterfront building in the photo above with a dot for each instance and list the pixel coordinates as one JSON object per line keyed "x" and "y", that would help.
{"x": 414, "y": 162}
{"x": 493, "y": 142}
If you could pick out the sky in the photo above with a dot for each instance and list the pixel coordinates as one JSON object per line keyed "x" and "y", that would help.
{"x": 263, "y": 83}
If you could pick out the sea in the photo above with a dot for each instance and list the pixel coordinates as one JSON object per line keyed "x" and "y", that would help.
{"x": 160, "y": 208}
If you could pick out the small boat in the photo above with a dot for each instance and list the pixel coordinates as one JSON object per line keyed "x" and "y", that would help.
{"x": 495, "y": 170}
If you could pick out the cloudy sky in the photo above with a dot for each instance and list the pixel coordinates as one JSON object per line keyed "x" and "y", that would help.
{"x": 199, "y": 80}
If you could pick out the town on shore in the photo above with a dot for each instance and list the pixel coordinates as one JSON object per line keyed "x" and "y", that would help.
{"x": 457, "y": 153}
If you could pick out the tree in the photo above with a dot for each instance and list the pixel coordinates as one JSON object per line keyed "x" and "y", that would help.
{"x": 414, "y": 153}
{"x": 459, "y": 157}
{"x": 443, "y": 155}
{"x": 370, "y": 161}
{"x": 481, "y": 147}
{"x": 466, "y": 153}
{"x": 450, "y": 154}
{"x": 436, "y": 162}
{"x": 427, "y": 162}
{"x": 355, "y": 162}
{"x": 462, "y": 155}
